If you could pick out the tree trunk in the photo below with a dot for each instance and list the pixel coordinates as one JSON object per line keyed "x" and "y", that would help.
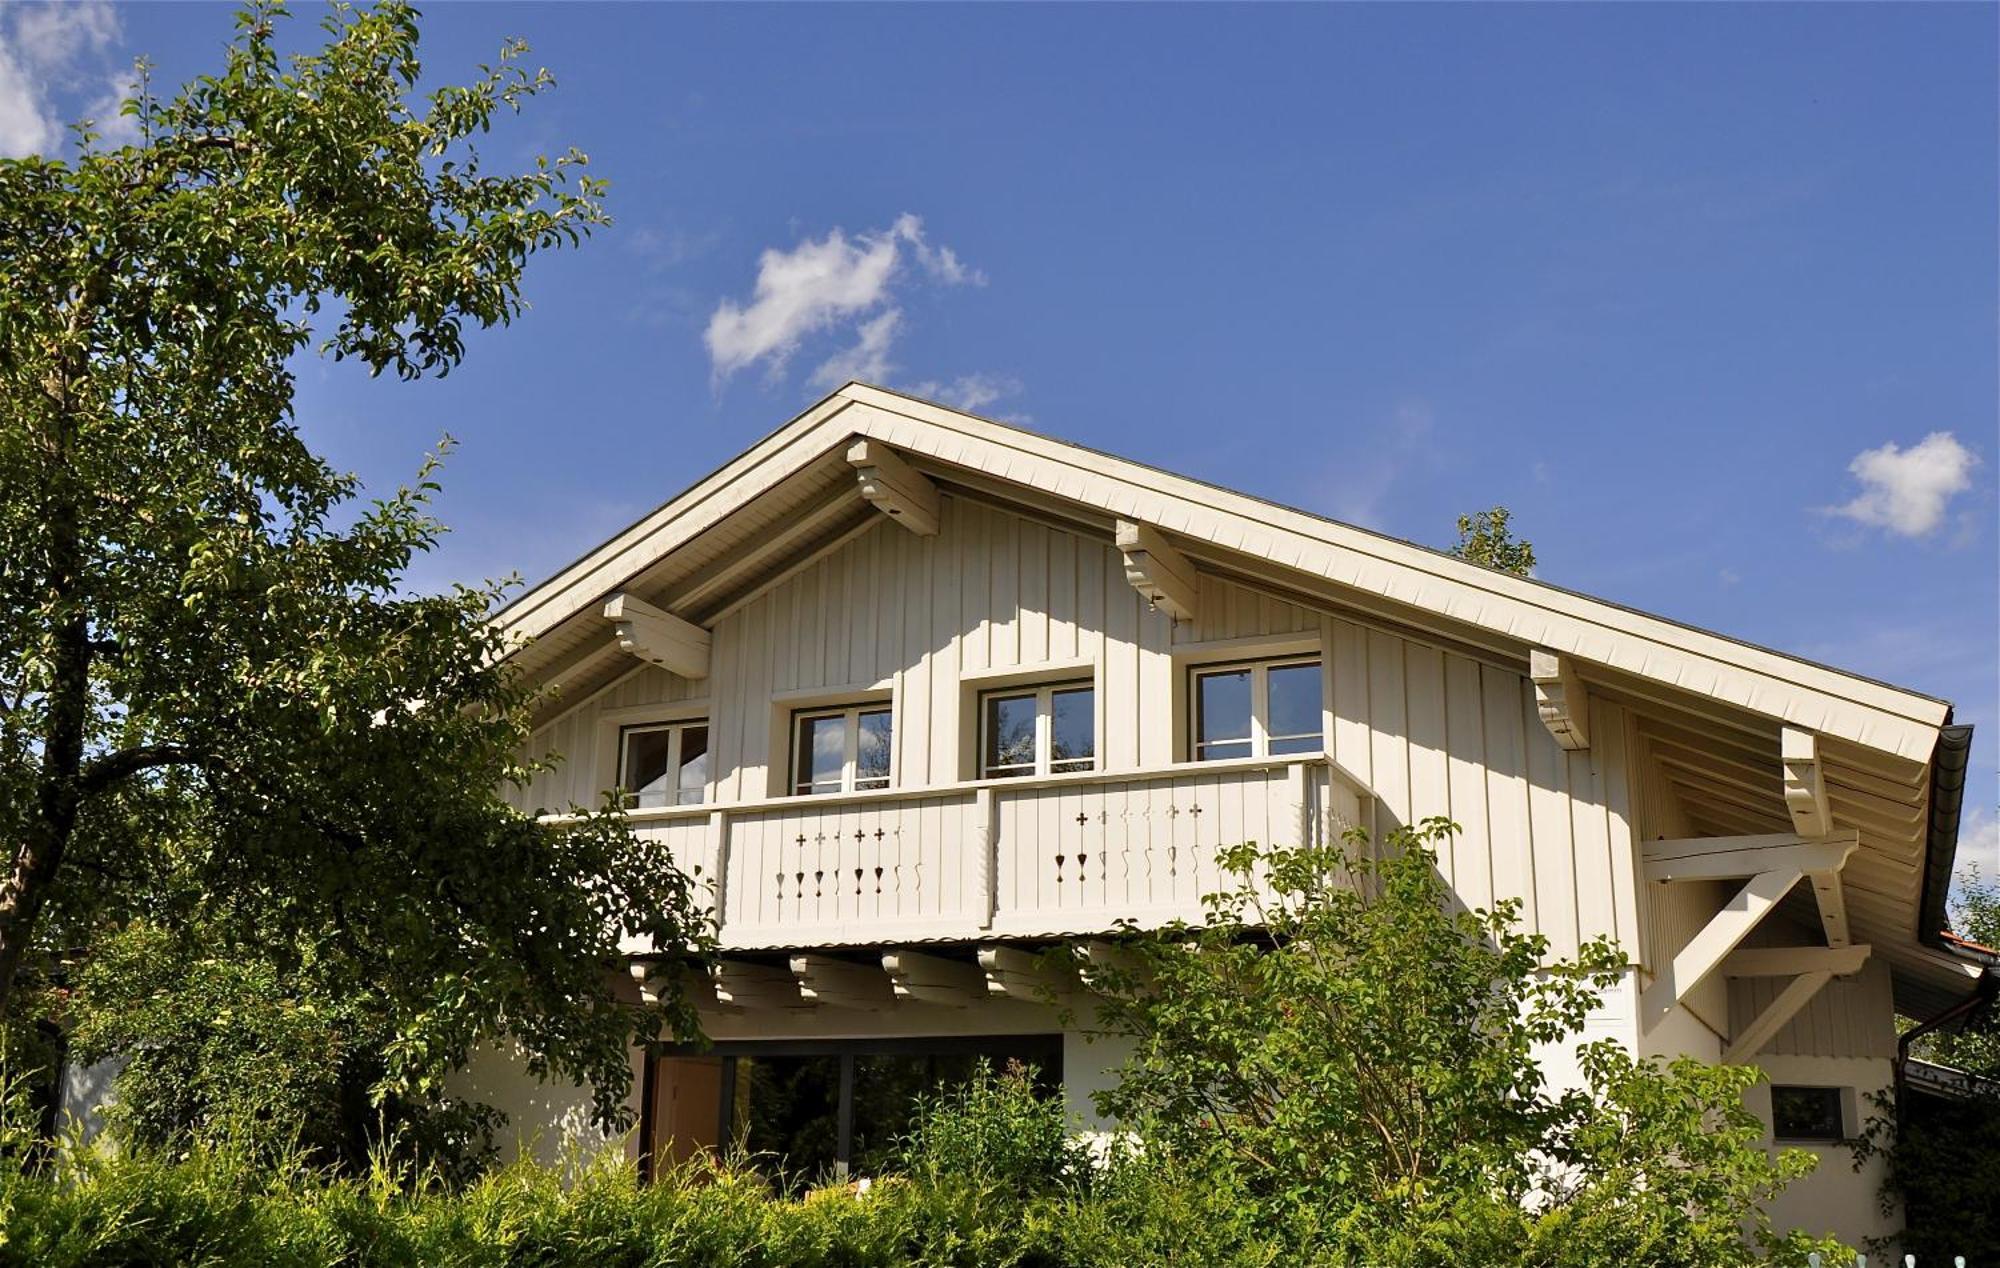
{"x": 58, "y": 792}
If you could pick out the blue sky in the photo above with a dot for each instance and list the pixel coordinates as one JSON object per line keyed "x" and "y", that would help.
{"x": 1706, "y": 294}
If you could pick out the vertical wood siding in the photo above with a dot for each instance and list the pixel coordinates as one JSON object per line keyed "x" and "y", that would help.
{"x": 1431, "y": 731}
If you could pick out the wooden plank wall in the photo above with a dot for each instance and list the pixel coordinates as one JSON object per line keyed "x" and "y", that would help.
{"x": 1432, "y": 731}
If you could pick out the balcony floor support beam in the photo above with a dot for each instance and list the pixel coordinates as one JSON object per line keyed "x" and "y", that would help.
{"x": 822, "y": 979}
{"x": 933, "y": 979}
{"x": 745, "y": 984}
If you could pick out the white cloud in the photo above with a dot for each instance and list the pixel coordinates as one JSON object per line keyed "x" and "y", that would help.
{"x": 1978, "y": 847}
{"x": 1906, "y": 491}
{"x": 48, "y": 50}
{"x": 825, "y": 283}
{"x": 868, "y": 359}
{"x": 970, "y": 392}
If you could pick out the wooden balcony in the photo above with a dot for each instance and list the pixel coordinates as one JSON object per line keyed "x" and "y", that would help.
{"x": 1011, "y": 858}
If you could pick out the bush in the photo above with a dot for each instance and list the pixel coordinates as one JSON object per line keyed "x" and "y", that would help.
{"x": 998, "y": 1130}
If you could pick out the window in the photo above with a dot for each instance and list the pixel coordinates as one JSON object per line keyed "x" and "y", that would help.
{"x": 1808, "y": 1113}
{"x": 805, "y": 1111}
{"x": 1038, "y": 731}
{"x": 665, "y": 764}
{"x": 842, "y": 750}
{"x": 1266, "y": 709}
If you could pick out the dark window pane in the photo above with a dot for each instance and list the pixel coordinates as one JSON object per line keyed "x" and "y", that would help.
{"x": 694, "y": 765}
{"x": 1806, "y": 1113}
{"x": 1072, "y": 728}
{"x": 785, "y": 1118}
{"x": 871, "y": 756}
{"x": 1222, "y": 714}
{"x": 822, "y": 753}
{"x": 646, "y": 778}
{"x": 1010, "y": 736}
{"x": 1295, "y": 706}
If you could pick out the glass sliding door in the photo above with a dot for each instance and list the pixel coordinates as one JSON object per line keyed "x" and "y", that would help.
{"x": 809, "y": 1113}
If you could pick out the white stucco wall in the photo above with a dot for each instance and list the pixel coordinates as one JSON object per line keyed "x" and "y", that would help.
{"x": 1835, "y": 1198}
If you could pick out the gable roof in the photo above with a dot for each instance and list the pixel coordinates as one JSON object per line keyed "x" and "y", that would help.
{"x": 1381, "y": 570}
{"x": 726, "y": 537}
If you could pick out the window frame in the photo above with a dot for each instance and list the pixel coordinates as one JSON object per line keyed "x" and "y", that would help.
{"x": 1260, "y": 705}
{"x": 802, "y": 784}
{"x": 1044, "y": 694}
{"x": 676, "y": 729}
{"x": 1841, "y": 1098}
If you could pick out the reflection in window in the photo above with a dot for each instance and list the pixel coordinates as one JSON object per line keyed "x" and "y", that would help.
{"x": 1038, "y": 731}
{"x": 842, "y": 750}
{"x": 1072, "y": 729}
{"x": 784, "y": 1103}
{"x": 1294, "y": 708}
{"x": 1807, "y": 1113}
{"x": 664, "y": 764}
{"x": 1010, "y": 736}
{"x": 1267, "y": 709}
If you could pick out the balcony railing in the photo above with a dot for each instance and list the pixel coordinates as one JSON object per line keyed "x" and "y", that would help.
{"x": 1052, "y": 856}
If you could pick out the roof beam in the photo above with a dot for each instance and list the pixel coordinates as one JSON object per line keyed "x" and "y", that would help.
{"x": 659, "y": 637}
{"x": 1706, "y": 951}
{"x": 1786, "y": 961}
{"x": 1832, "y": 905}
{"x": 1768, "y": 1023}
{"x": 933, "y": 979}
{"x": 1157, "y": 570}
{"x": 1730, "y": 858}
{"x": 1560, "y": 698}
{"x": 715, "y": 580}
{"x": 896, "y": 489}
{"x": 1805, "y": 783}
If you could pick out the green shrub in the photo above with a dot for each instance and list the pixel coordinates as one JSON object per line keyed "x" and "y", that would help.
{"x": 996, "y": 1129}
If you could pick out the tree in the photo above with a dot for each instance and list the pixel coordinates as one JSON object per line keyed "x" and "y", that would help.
{"x": 1484, "y": 538}
{"x": 219, "y": 709}
{"x": 1974, "y": 1045}
{"x": 1342, "y": 1045}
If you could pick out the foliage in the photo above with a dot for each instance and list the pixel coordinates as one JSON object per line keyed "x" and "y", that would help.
{"x": 244, "y": 1054}
{"x": 220, "y": 711}
{"x": 1943, "y": 1171}
{"x": 996, "y": 1129}
{"x": 1358, "y": 1057}
{"x": 1973, "y": 1046}
{"x": 1484, "y": 538}
{"x": 1943, "y": 1162}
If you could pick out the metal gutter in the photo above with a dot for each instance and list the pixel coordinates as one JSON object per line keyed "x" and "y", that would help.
{"x": 1949, "y": 761}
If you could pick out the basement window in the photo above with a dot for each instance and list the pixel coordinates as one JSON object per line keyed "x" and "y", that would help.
{"x": 1260, "y": 709}
{"x": 663, "y": 764}
{"x": 1808, "y": 1113}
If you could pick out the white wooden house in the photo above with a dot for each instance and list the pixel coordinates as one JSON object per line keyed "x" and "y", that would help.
{"x": 919, "y": 693}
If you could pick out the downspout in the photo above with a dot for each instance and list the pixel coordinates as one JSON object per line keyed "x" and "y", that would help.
{"x": 1982, "y": 995}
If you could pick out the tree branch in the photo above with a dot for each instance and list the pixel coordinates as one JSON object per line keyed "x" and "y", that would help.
{"x": 112, "y": 767}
